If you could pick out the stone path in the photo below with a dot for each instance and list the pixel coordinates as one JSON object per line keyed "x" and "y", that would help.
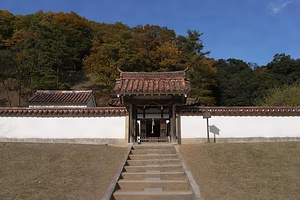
{"x": 154, "y": 171}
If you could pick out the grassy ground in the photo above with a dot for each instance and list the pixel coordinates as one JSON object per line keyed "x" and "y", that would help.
{"x": 57, "y": 171}
{"x": 245, "y": 170}
{"x": 223, "y": 171}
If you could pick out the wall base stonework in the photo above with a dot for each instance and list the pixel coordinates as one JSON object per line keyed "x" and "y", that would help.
{"x": 101, "y": 141}
{"x": 237, "y": 140}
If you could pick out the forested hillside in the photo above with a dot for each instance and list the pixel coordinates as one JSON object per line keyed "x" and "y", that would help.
{"x": 48, "y": 51}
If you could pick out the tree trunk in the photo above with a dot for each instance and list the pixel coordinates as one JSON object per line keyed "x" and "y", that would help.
{"x": 57, "y": 75}
{"x": 19, "y": 92}
{"x": 7, "y": 93}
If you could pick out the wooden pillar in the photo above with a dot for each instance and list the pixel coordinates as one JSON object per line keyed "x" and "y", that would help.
{"x": 130, "y": 137}
{"x": 173, "y": 124}
{"x": 178, "y": 129}
{"x": 127, "y": 127}
{"x": 134, "y": 121}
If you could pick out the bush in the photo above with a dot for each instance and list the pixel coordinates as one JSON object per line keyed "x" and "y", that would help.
{"x": 286, "y": 95}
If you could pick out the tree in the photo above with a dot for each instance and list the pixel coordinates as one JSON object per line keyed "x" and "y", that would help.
{"x": 264, "y": 79}
{"x": 235, "y": 83}
{"x": 6, "y": 28}
{"x": 110, "y": 51}
{"x": 59, "y": 41}
{"x": 6, "y": 56}
{"x": 284, "y": 69}
{"x": 142, "y": 48}
{"x": 149, "y": 48}
{"x": 6, "y": 71}
{"x": 167, "y": 56}
{"x": 201, "y": 69}
{"x": 47, "y": 49}
{"x": 65, "y": 41}
{"x": 155, "y": 48}
{"x": 20, "y": 45}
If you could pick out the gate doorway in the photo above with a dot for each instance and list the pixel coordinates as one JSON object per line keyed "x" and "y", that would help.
{"x": 154, "y": 130}
{"x": 151, "y": 99}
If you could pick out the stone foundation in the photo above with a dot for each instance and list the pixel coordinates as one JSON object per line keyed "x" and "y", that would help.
{"x": 238, "y": 140}
{"x": 102, "y": 141}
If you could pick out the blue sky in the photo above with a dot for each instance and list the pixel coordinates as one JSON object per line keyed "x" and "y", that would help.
{"x": 251, "y": 30}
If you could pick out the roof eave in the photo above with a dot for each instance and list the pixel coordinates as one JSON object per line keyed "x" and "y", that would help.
{"x": 150, "y": 94}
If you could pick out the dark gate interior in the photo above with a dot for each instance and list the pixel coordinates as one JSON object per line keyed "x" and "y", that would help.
{"x": 154, "y": 130}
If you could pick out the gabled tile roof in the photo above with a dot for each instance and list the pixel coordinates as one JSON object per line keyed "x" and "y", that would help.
{"x": 56, "y": 97}
{"x": 141, "y": 83}
{"x": 115, "y": 102}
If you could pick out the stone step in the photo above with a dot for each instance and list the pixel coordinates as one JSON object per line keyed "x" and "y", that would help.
{"x": 152, "y": 156}
{"x": 162, "y": 168}
{"x": 154, "y": 194}
{"x": 154, "y": 174}
{"x": 125, "y": 184}
{"x": 153, "y": 162}
{"x": 149, "y": 146}
{"x": 153, "y": 151}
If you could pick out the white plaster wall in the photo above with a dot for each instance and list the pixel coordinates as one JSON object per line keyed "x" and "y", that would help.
{"x": 241, "y": 127}
{"x": 64, "y": 127}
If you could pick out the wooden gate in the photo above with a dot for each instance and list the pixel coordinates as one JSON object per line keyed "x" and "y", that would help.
{"x": 154, "y": 130}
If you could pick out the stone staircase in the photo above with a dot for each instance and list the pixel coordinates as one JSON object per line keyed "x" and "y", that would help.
{"x": 153, "y": 172}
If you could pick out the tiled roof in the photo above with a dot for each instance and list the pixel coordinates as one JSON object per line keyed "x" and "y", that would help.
{"x": 191, "y": 101}
{"x": 63, "y": 112}
{"x": 142, "y": 83}
{"x": 54, "y": 97}
{"x": 122, "y": 111}
{"x": 117, "y": 102}
{"x": 239, "y": 111}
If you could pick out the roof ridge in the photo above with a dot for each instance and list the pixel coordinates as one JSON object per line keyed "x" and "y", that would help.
{"x": 153, "y": 75}
{"x": 63, "y": 91}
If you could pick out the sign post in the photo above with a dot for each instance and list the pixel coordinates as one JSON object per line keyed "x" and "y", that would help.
{"x": 206, "y": 116}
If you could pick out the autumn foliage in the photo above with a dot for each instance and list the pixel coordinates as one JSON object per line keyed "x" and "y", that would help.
{"x": 47, "y": 50}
